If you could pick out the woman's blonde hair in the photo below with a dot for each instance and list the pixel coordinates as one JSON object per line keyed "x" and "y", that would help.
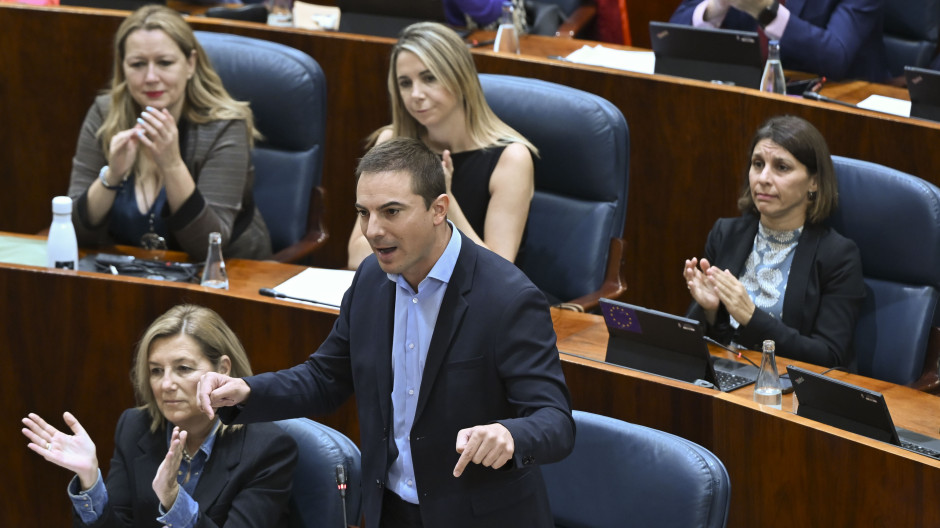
{"x": 448, "y": 59}
{"x": 205, "y": 98}
{"x": 207, "y": 329}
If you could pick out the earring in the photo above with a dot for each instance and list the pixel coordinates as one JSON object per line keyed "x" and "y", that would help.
{"x": 812, "y": 195}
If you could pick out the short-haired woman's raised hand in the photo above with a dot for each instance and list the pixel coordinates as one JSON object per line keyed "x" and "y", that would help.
{"x": 165, "y": 485}
{"x": 75, "y": 452}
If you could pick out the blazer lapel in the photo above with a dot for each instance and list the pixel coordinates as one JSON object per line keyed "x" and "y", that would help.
{"x": 449, "y": 318}
{"x": 743, "y": 248}
{"x": 226, "y": 453}
{"x": 383, "y": 366}
{"x": 152, "y": 450}
{"x": 798, "y": 279}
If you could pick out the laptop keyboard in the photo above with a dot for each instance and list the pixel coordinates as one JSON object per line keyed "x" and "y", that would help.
{"x": 728, "y": 382}
{"x": 911, "y": 446}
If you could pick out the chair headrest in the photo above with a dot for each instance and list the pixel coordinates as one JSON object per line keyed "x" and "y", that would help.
{"x": 912, "y": 19}
{"x": 893, "y": 217}
{"x": 582, "y": 138}
{"x": 285, "y": 87}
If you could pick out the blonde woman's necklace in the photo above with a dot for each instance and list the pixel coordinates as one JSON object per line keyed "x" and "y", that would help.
{"x": 151, "y": 240}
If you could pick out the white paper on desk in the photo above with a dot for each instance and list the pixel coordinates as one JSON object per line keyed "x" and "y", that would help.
{"x": 318, "y": 285}
{"x": 635, "y": 61}
{"x": 888, "y": 105}
{"x": 317, "y": 17}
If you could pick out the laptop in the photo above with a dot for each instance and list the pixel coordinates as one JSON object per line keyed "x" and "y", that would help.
{"x": 923, "y": 87}
{"x": 715, "y": 55}
{"x": 386, "y": 18}
{"x": 854, "y": 409}
{"x": 670, "y": 346}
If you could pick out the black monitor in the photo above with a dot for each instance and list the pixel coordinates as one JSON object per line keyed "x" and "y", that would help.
{"x": 714, "y": 55}
{"x": 386, "y": 18}
{"x": 923, "y": 87}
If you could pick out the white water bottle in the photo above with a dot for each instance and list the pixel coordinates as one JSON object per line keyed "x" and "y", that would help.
{"x": 62, "y": 246}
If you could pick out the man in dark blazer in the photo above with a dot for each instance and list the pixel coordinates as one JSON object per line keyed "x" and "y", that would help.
{"x": 836, "y": 38}
{"x": 450, "y": 351}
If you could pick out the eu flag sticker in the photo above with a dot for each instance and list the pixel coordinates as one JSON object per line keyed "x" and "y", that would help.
{"x": 621, "y": 317}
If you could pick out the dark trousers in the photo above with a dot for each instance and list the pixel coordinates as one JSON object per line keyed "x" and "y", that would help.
{"x": 398, "y": 513}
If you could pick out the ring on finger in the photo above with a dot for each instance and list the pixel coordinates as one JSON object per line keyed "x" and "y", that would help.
{"x": 48, "y": 446}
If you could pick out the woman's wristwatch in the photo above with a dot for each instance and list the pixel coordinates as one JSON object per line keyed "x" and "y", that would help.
{"x": 104, "y": 181}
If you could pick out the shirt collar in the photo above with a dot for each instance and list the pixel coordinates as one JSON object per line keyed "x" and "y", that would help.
{"x": 207, "y": 444}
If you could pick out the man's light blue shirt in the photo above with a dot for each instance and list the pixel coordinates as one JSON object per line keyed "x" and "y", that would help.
{"x": 415, "y": 318}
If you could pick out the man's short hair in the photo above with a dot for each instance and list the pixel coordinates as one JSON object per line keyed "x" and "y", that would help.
{"x": 411, "y": 156}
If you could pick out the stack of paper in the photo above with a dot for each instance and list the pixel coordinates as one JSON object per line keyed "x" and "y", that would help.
{"x": 888, "y": 105}
{"x": 318, "y": 286}
{"x": 635, "y": 61}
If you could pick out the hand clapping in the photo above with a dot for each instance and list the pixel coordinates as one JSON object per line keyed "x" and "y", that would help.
{"x": 74, "y": 452}
{"x": 165, "y": 484}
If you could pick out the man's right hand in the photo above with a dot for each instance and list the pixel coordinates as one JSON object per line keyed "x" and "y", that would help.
{"x": 218, "y": 390}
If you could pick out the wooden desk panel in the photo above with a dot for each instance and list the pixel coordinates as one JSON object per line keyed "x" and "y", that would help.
{"x": 68, "y": 339}
{"x": 688, "y": 138}
{"x": 782, "y": 466}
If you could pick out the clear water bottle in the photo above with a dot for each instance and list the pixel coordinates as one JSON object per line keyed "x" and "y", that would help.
{"x": 213, "y": 273}
{"x": 507, "y": 38}
{"x": 767, "y": 388}
{"x": 62, "y": 246}
{"x": 773, "y": 80}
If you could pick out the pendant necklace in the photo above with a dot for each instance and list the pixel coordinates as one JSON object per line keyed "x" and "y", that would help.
{"x": 151, "y": 240}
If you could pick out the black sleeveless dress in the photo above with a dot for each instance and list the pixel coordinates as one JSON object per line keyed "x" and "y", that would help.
{"x": 471, "y": 185}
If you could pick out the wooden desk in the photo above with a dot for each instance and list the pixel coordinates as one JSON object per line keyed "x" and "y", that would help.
{"x": 67, "y": 344}
{"x": 785, "y": 470}
{"x": 688, "y": 138}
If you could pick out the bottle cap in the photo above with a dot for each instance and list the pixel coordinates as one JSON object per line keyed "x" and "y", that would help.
{"x": 62, "y": 205}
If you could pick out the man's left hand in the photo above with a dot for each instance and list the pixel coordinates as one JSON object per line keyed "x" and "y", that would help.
{"x": 490, "y": 445}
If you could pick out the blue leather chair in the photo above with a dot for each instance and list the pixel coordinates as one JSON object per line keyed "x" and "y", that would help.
{"x": 623, "y": 474}
{"x": 894, "y": 218}
{"x": 287, "y": 92}
{"x": 910, "y": 33}
{"x": 315, "y": 498}
{"x": 573, "y": 249}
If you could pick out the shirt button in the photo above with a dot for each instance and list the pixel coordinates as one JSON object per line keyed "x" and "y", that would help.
{"x": 411, "y": 392}
{"x": 411, "y": 346}
{"x": 414, "y": 300}
{"x": 410, "y": 483}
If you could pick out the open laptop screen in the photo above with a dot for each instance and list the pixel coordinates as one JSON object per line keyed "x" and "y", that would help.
{"x": 386, "y": 18}
{"x": 715, "y": 55}
{"x": 655, "y": 342}
{"x": 923, "y": 86}
{"x": 842, "y": 405}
